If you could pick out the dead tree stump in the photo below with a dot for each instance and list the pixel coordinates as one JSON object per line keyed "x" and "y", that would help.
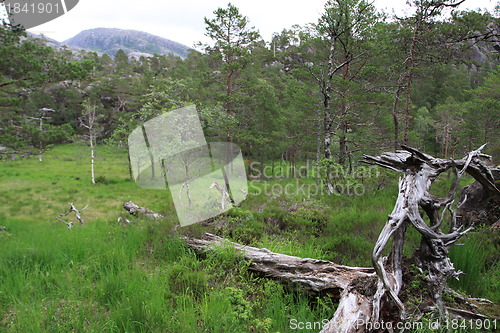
{"x": 418, "y": 171}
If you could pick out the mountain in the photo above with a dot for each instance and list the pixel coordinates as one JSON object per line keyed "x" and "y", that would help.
{"x": 46, "y": 40}
{"x": 134, "y": 43}
{"x": 52, "y": 43}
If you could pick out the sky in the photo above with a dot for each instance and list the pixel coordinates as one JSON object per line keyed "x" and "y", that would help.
{"x": 183, "y": 20}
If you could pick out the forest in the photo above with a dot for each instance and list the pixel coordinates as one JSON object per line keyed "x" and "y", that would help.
{"x": 357, "y": 82}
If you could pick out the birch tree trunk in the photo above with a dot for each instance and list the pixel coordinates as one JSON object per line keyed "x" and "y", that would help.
{"x": 90, "y": 121}
{"x": 92, "y": 157}
{"x": 327, "y": 99}
{"x": 318, "y": 143}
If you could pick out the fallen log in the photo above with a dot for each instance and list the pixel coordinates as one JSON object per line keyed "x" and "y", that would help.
{"x": 136, "y": 210}
{"x": 316, "y": 277}
{"x": 355, "y": 287}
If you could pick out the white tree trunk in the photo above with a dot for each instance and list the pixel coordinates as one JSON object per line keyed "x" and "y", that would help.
{"x": 90, "y": 122}
{"x": 92, "y": 157}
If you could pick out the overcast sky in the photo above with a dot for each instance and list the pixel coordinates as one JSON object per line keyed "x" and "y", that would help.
{"x": 182, "y": 20}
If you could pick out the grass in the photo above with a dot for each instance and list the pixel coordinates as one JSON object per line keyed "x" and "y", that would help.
{"x": 477, "y": 258}
{"x": 104, "y": 277}
{"x": 33, "y": 189}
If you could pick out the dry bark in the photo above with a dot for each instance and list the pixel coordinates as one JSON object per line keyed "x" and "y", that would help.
{"x": 316, "y": 277}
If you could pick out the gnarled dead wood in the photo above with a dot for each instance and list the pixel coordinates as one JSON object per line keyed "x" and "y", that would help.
{"x": 78, "y": 213}
{"x": 354, "y": 286}
{"x": 317, "y": 277}
{"x": 419, "y": 171}
{"x": 223, "y": 193}
{"x": 136, "y": 210}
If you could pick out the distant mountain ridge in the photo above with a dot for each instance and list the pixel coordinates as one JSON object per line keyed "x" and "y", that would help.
{"x": 134, "y": 43}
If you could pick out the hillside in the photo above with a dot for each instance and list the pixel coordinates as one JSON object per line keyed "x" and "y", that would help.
{"x": 135, "y": 43}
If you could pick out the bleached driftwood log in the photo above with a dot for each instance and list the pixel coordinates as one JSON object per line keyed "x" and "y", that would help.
{"x": 136, "y": 210}
{"x": 316, "y": 277}
{"x": 354, "y": 286}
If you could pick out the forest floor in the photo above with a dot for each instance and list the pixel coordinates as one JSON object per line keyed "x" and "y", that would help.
{"x": 105, "y": 277}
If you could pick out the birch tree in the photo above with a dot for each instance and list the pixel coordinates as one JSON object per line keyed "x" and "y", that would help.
{"x": 90, "y": 121}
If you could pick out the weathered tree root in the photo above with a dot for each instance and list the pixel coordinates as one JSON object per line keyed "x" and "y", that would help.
{"x": 419, "y": 171}
{"x": 371, "y": 295}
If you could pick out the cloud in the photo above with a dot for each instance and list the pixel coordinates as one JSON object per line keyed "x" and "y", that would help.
{"x": 182, "y": 21}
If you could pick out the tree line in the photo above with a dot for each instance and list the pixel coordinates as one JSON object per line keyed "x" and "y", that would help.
{"x": 356, "y": 81}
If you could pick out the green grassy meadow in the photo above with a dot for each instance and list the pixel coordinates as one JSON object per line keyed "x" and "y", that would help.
{"x": 106, "y": 277}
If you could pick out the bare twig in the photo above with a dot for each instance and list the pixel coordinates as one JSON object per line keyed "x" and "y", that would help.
{"x": 77, "y": 214}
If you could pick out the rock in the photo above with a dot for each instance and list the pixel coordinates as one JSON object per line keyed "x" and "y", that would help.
{"x": 496, "y": 226}
{"x": 479, "y": 208}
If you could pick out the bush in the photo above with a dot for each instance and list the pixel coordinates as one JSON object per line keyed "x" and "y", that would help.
{"x": 105, "y": 181}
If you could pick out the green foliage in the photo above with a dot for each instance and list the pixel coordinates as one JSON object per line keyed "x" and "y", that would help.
{"x": 104, "y": 180}
{"x": 216, "y": 123}
{"x": 265, "y": 97}
{"x": 50, "y": 134}
{"x": 78, "y": 70}
{"x": 27, "y": 67}
{"x": 231, "y": 35}
{"x": 478, "y": 255}
{"x": 416, "y": 286}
